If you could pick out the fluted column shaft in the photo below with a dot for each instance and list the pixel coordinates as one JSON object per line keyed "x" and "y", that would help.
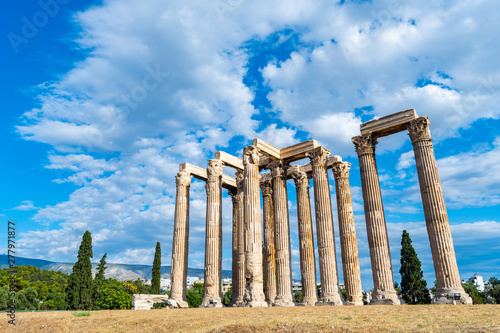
{"x": 436, "y": 216}
{"x": 254, "y": 295}
{"x": 376, "y": 228}
{"x": 213, "y": 240}
{"x": 239, "y": 238}
{"x": 269, "y": 250}
{"x": 284, "y": 295}
{"x": 324, "y": 228}
{"x": 180, "y": 246}
{"x": 306, "y": 238}
{"x": 347, "y": 233}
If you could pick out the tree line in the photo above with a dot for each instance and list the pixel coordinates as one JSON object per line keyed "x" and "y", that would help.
{"x": 38, "y": 289}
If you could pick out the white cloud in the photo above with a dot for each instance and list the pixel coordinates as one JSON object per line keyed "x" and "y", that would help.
{"x": 26, "y": 205}
{"x": 279, "y": 137}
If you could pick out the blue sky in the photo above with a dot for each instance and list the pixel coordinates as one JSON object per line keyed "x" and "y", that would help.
{"x": 103, "y": 100}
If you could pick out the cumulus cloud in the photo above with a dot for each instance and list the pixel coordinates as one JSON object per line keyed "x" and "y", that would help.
{"x": 26, "y": 205}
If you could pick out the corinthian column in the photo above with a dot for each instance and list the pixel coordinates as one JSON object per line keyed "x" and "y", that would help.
{"x": 239, "y": 259}
{"x": 376, "y": 228}
{"x": 269, "y": 250}
{"x": 213, "y": 242}
{"x": 436, "y": 216}
{"x": 254, "y": 295}
{"x": 347, "y": 232}
{"x": 324, "y": 227}
{"x": 306, "y": 239}
{"x": 181, "y": 240}
{"x": 284, "y": 296}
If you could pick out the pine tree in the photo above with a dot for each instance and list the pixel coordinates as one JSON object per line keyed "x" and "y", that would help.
{"x": 79, "y": 291}
{"x": 101, "y": 268}
{"x": 413, "y": 286}
{"x": 155, "y": 281}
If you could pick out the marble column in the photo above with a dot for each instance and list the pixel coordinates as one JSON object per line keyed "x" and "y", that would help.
{"x": 324, "y": 227}
{"x": 269, "y": 250}
{"x": 254, "y": 294}
{"x": 284, "y": 294}
{"x": 376, "y": 228}
{"x": 347, "y": 233}
{"x": 181, "y": 240}
{"x": 436, "y": 216}
{"x": 239, "y": 260}
{"x": 213, "y": 241}
{"x": 306, "y": 238}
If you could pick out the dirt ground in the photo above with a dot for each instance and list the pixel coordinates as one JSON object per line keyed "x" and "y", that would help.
{"x": 404, "y": 318}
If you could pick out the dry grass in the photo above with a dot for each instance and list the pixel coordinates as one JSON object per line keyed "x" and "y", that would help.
{"x": 434, "y": 318}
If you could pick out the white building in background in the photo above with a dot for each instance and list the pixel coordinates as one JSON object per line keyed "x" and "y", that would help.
{"x": 165, "y": 284}
{"x": 226, "y": 285}
{"x": 478, "y": 281}
{"x": 190, "y": 280}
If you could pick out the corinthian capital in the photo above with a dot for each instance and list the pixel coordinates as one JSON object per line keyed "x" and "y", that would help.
{"x": 341, "y": 169}
{"x": 365, "y": 144}
{"x": 239, "y": 180}
{"x": 266, "y": 187}
{"x": 251, "y": 155}
{"x": 214, "y": 170}
{"x": 183, "y": 178}
{"x": 300, "y": 177}
{"x": 419, "y": 129}
{"x": 277, "y": 169}
{"x": 319, "y": 156}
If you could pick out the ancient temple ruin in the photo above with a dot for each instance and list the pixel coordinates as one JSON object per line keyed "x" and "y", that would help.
{"x": 249, "y": 232}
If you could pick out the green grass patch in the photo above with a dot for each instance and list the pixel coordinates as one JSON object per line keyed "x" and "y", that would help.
{"x": 81, "y": 314}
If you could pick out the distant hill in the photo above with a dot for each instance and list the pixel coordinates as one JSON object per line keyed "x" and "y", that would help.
{"x": 116, "y": 271}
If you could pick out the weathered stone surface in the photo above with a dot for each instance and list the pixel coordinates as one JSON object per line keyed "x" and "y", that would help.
{"x": 376, "y": 229}
{"x": 298, "y": 151}
{"x": 269, "y": 250}
{"x": 254, "y": 295}
{"x": 230, "y": 160}
{"x": 284, "y": 296}
{"x": 181, "y": 238}
{"x": 239, "y": 270}
{"x": 146, "y": 301}
{"x": 228, "y": 182}
{"x": 213, "y": 239}
{"x": 393, "y": 123}
{"x": 347, "y": 233}
{"x": 324, "y": 227}
{"x": 306, "y": 238}
{"x": 436, "y": 216}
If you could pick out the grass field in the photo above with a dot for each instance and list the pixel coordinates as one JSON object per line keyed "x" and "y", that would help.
{"x": 428, "y": 318}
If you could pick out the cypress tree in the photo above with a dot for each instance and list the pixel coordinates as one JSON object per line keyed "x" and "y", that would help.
{"x": 79, "y": 290}
{"x": 155, "y": 281}
{"x": 101, "y": 268}
{"x": 413, "y": 286}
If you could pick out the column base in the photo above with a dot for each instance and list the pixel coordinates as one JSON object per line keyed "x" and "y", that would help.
{"x": 355, "y": 302}
{"x": 308, "y": 302}
{"x": 283, "y": 302}
{"x": 385, "y": 297}
{"x": 238, "y": 304}
{"x": 175, "y": 304}
{"x": 330, "y": 299}
{"x": 443, "y": 298}
{"x": 255, "y": 304}
{"x": 211, "y": 303}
